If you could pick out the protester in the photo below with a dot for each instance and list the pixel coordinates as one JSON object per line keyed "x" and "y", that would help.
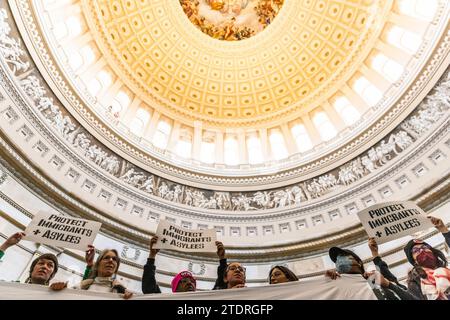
{"x": 89, "y": 258}
{"x": 229, "y": 276}
{"x": 184, "y": 282}
{"x": 149, "y": 284}
{"x": 347, "y": 262}
{"x": 11, "y": 241}
{"x": 381, "y": 265}
{"x": 102, "y": 276}
{"x": 430, "y": 277}
{"x": 281, "y": 274}
{"x": 42, "y": 269}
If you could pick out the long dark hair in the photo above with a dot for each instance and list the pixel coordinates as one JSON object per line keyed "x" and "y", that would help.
{"x": 441, "y": 259}
{"x": 287, "y": 272}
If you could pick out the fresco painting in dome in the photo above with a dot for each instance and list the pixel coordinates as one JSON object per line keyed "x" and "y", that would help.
{"x": 231, "y": 20}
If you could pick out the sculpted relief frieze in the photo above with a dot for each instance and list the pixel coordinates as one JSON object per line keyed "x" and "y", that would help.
{"x": 430, "y": 111}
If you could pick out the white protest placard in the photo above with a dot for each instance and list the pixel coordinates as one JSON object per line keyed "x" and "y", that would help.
{"x": 392, "y": 220}
{"x": 62, "y": 231}
{"x": 173, "y": 237}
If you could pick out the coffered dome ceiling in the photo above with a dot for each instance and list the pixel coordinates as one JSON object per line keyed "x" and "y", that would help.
{"x": 302, "y": 57}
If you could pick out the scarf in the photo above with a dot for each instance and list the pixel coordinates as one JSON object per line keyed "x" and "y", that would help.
{"x": 436, "y": 286}
{"x": 103, "y": 281}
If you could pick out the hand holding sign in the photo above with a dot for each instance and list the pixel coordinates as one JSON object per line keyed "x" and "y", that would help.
{"x": 12, "y": 241}
{"x": 153, "y": 252}
{"x": 392, "y": 220}
{"x": 220, "y": 250}
{"x": 172, "y": 237}
{"x": 439, "y": 224}
{"x": 62, "y": 231}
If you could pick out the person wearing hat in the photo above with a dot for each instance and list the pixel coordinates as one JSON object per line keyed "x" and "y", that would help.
{"x": 42, "y": 269}
{"x": 347, "y": 262}
{"x": 430, "y": 277}
{"x": 184, "y": 282}
{"x": 149, "y": 284}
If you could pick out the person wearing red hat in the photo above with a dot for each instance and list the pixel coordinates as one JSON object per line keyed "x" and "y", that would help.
{"x": 184, "y": 282}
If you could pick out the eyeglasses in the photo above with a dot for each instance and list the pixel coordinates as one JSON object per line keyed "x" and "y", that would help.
{"x": 419, "y": 247}
{"x": 234, "y": 268}
{"x": 113, "y": 258}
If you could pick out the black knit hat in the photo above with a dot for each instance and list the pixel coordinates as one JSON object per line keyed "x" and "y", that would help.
{"x": 47, "y": 256}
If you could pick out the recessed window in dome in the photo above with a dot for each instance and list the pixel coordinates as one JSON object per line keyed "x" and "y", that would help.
{"x": 99, "y": 83}
{"x": 301, "y": 137}
{"x": 231, "y": 20}
{"x": 278, "y": 145}
{"x": 367, "y": 91}
{"x": 231, "y": 151}
{"x": 207, "y": 151}
{"x": 121, "y": 102}
{"x": 423, "y": 9}
{"x": 404, "y": 39}
{"x": 74, "y": 26}
{"x": 390, "y": 69}
{"x": 184, "y": 148}
{"x": 346, "y": 110}
{"x": 136, "y": 126}
{"x": 75, "y": 60}
{"x": 138, "y": 123}
{"x": 161, "y": 137}
{"x": 254, "y": 150}
{"x": 324, "y": 126}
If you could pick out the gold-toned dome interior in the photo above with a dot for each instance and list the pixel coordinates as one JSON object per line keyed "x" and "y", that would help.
{"x": 298, "y": 60}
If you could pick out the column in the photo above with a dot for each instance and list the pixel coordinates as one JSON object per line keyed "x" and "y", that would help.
{"x": 335, "y": 118}
{"x": 243, "y": 156}
{"x": 375, "y": 78}
{"x": 265, "y": 148}
{"x": 197, "y": 141}
{"x": 312, "y": 130}
{"x": 291, "y": 145}
{"x": 219, "y": 146}
{"x": 151, "y": 126}
{"x": 355, "y": 99}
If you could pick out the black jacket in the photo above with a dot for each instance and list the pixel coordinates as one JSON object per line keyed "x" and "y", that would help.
{"x": 220, "y": 284}
{"x": 393, "y": 292}
{"x": 384, "y": 270}
{"x": 149, "y": 284}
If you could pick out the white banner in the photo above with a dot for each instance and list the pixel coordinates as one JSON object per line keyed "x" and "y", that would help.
{"x": 173, "y": 237}
{"x": 348, "y": 287}
{"x": 62, "y": 231}
{"x": 392, "y": 220}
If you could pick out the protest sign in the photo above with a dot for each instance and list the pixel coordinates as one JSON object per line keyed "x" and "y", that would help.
{"x": 176, "y": 238}
{"x": 62, "y": 231}
{"x": 392, "y": 220}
